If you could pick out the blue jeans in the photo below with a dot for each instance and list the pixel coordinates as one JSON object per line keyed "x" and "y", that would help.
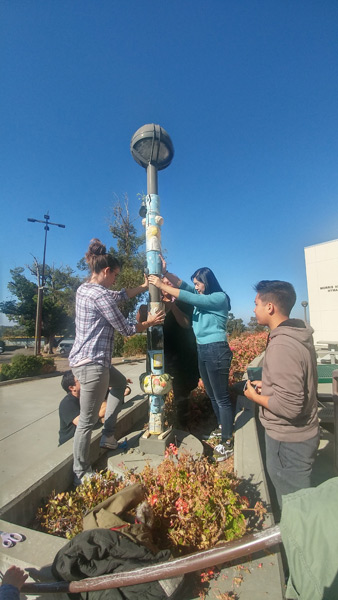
{"x": 95, "y": 380}
{"x": 214, "y": 362}
{"x": 289, "y": 464}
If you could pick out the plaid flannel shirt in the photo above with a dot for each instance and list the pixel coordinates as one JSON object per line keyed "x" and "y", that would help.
{"x": 97, "y": 317}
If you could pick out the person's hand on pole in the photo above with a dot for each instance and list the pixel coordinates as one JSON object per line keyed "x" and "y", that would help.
{"x": 145, "y": 284}
{"x": 156, "y": 319}
{"x": 169, "y": 289}
{"x": 152, "y": 320}
{"x": 174, "y": 279}
{"x": 156, "y": 281}
{"x": 132, "y": 292}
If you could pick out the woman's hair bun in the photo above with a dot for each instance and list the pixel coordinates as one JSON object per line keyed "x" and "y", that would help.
{"x": 96, "y": 247}
{"x": 97, "y": 258}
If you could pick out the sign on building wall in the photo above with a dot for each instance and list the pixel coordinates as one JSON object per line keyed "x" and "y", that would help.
{"x": 321, "y": 263}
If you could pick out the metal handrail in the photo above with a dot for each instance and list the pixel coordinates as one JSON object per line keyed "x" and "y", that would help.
{"x": 193, "y": 562}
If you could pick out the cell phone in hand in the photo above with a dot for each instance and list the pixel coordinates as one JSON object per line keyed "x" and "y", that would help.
{"x": 246, "y": 386}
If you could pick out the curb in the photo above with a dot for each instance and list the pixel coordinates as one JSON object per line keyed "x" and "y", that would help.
{"x": 25, "y": 379}
{"x": 115, "y": 361}
{"x": 55, "y": 472}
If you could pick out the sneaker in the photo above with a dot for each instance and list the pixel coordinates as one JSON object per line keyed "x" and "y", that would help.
{"x": 109, "y": 444}
{"x": 217, "y": 433}
{"x": 224, "y": 451}
{"x": 127, "y": 391}
{"x": 80, "y": 480}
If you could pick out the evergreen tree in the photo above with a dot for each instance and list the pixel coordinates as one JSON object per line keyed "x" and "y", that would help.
{"x": 254, "y": 327}
{"x": 128, "y": 252}
{"x": 235, "y": 326}
{"x": 131, "y": 257}
{"x": 58, "y": 307}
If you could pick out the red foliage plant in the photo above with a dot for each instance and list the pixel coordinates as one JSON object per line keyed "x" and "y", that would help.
{"x": 195, "y": 504}
{"x": 245, "y": 348}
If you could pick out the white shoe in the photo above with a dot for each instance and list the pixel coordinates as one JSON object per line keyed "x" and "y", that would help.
{"x": 80, "y": 480}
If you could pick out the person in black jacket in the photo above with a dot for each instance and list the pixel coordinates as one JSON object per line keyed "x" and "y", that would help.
{"x": 180, "y": 354}
{"x": 69, "y": 408}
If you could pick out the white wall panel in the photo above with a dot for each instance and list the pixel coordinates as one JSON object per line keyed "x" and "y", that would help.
{"x": 321, "y": 263}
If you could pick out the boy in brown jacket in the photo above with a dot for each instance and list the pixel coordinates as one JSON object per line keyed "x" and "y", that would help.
{"x": 287, "y": 394}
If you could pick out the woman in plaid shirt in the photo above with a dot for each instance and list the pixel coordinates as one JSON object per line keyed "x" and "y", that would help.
{"x": 97, "y": 317}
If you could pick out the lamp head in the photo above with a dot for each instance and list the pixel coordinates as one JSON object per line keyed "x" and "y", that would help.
{"x": 151, "y": 144}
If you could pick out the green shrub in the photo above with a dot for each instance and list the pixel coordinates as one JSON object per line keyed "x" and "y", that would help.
{"x": 26, "y": 366}
{"x": 5, "y": 372}
{"x": 129, "y": 346}
{"x": 118, "y": 344}
{"x": 137, "y": 344}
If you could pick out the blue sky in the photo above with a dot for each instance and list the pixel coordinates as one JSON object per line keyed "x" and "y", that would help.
{"x": 248, "y": 92}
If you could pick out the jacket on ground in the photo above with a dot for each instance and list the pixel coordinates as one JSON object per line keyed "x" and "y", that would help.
{"x": 101, "y": 551}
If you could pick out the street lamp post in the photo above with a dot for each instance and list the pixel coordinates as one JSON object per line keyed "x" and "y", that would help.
{"x": 38, "y": 320}
{"x": 304, "y": 305}
{"x": 152, "y": 148}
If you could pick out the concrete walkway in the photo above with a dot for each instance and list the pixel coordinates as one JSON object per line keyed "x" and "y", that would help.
{"x": 29, "y": 428}
{"x": 32, "y": 462}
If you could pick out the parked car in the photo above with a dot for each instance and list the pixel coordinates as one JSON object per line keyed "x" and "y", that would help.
{"x": 65, "y": 346}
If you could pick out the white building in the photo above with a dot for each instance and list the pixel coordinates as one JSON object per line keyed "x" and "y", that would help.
{"x": 321, "y": 263}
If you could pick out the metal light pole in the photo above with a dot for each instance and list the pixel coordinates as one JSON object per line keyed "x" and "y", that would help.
{"x": 152, "y": 148}
{"x": 38, "y": 321}
{"x": 304, "y": 305}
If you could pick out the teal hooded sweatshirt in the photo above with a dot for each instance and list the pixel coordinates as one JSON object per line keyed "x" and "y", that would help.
{"x": 210, "y": 316}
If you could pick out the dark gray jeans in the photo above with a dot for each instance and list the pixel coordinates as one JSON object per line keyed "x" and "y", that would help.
{"x": 214, "y": 362}
{"x": 95, "y": 380}
{"x": 289, "y": 464}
